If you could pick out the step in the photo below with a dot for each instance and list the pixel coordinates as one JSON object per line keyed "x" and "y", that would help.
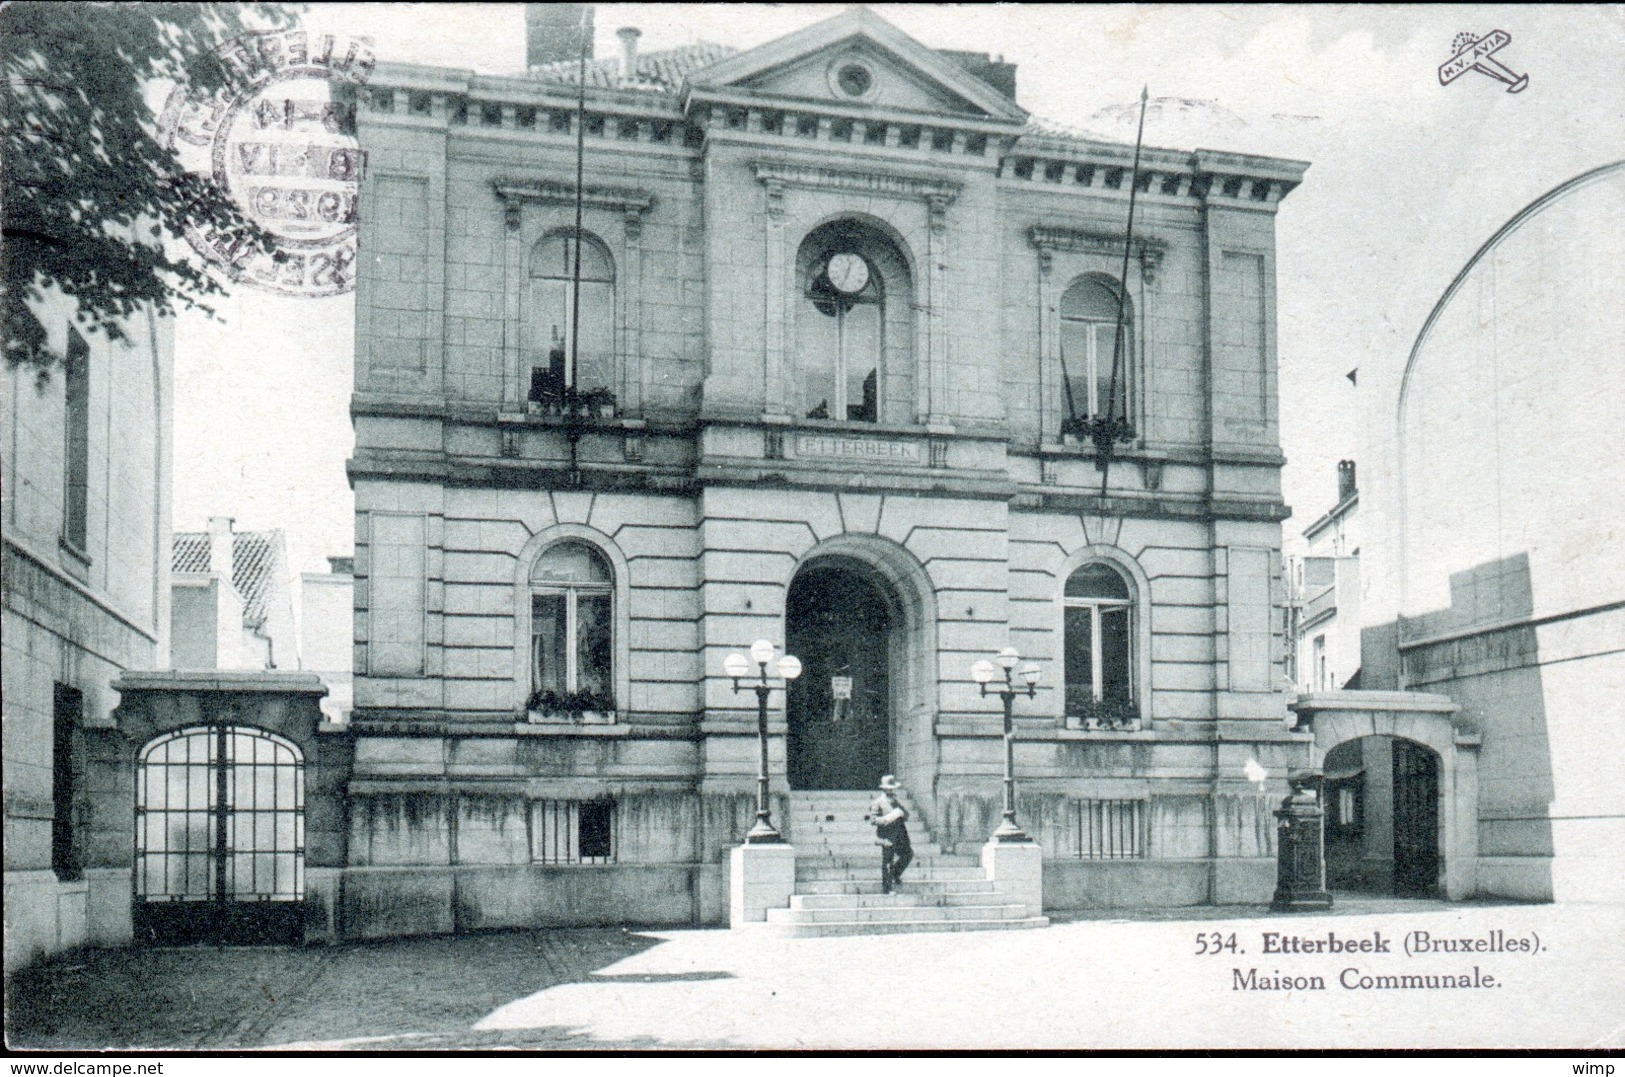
{"x": 897, "y": 898}
{"x": 893, "y": 914}
{"x": 908, "y": 886}
{"x": 870, "y": 858}
{"x": 820, "y": 930}
{"x": 814, "y": 869}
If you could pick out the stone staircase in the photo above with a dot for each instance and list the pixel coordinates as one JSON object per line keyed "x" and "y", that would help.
{"x": 838, "y": 890}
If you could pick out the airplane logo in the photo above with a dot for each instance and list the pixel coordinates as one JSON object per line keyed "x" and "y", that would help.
{"x": 1475, "y": 54}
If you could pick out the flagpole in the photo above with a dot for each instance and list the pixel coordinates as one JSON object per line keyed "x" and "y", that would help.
{"x": 1105, "y": 436}
{"x": 581, "y": 153}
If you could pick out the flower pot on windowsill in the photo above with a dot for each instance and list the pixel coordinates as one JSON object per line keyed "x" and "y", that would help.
{"x": 600, "y": 402}
{"x": 1097, "y": 715}
{"x": 552, "y": 707}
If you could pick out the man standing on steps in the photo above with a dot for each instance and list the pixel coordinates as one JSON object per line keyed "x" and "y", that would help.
{"x": 891, "y": 832}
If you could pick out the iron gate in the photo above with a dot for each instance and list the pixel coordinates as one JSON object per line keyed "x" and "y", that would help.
{"x": 219, "y": 837}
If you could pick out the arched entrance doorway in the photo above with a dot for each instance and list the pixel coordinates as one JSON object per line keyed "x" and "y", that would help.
{"x": 1382, "y": 817}
{"x": 841, "y": 622}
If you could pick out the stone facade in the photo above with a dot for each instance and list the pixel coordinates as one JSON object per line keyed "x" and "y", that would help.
{"x": 714, "y": 482}
{"x": 86, "y": 594}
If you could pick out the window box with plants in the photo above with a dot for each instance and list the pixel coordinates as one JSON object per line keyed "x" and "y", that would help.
{"x": 581, "y": 708}
{"x": 1083, "y": 711}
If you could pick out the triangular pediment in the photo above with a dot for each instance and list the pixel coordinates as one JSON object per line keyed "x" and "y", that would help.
{"x": 859, "y": 59}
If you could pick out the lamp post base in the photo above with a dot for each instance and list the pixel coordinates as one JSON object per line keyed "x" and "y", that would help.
{"x": 1009, "y": 832}
{"x": 760, "y": 877}
{"x": 1016, "y": 870}
{"x": 763, "y": 833}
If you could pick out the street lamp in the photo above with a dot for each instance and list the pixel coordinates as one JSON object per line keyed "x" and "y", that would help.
{"x": 1007, "y": 690}
{"x": 737, "y": 666}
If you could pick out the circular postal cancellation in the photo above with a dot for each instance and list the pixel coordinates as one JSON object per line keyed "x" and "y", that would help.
{"x": 281, "y": 143}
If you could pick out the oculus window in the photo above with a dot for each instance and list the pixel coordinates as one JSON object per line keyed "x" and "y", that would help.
{"x": 572, "y": 630}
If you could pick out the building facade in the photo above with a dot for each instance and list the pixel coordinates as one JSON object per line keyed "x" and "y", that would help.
{"x": 232, "y": 607}
{"x": 1492, "y": 521}
{"x": 803, "y": 373}
{"x": 85, "y": 588}
{"x": 1324, "y": 612}
{"x": 326, "y": 633}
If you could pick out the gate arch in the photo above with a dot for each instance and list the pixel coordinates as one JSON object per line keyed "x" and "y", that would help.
{"x": 1427, "y": 720}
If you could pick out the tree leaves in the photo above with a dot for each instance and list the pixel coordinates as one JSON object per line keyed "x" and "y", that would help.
{"x": 93, "y": 200}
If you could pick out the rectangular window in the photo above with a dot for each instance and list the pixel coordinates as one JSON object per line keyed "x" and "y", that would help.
{"x": 67, "y": 770}
{"x": 573, "y": 831}
{"x": 76, "y": 477}
{"x": 1110, "y": 829}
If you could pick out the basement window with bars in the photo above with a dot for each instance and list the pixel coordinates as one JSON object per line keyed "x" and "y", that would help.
{"x": 573, "y": 831}
{"x": 1110, "y": 829}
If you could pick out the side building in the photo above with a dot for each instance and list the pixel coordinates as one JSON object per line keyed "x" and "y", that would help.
{"x": 84, "y": 501}
{"x": 1470, "y": 758}
{"x": 806, "y": 373}
{"x": 1495, "y": 527}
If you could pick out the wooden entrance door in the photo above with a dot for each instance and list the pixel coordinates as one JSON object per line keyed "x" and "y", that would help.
{"x": 1416, "y": 818}
{"x": 839, "y": 625}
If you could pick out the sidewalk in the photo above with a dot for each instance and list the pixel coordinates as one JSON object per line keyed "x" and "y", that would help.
{"x": 1114, "y": 981}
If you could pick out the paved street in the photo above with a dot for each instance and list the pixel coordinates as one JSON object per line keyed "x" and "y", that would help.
{"x": 1103, "y": 983}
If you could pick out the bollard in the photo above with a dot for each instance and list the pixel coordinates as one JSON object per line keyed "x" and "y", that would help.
{"x": 1301, "y": 864}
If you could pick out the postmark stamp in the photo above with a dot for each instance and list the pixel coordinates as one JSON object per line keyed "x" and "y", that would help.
{"x": 284, "y": 148}
{"x": 1473, "y": 53}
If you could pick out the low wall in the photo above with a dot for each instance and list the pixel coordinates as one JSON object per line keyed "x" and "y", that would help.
{"x": 381, "y": 902}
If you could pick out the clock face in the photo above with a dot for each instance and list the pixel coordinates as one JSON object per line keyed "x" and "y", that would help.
{"x": 848, "y": 272}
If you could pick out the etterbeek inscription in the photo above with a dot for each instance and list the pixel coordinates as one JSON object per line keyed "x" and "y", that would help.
{"x": 834, "y": 446}
{"x": 1353, "y": 969}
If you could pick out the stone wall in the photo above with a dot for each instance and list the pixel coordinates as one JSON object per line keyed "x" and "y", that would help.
{"x": 75, "y": 615}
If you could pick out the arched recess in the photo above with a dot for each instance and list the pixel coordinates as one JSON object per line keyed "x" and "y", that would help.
{"x": 834, "y": 343}
{"x": 1139, "y": 585}
{"x": 622, "y": 619}
{"x": 905, "y": 587}
{"x": 1339, "y": 717}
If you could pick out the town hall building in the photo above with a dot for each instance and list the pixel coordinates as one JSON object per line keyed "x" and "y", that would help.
{"x": 802, "y": 357}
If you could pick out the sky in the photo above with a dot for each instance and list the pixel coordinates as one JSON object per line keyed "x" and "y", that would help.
{"x": 1407, "y": 179}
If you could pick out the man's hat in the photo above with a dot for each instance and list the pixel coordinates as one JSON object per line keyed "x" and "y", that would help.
{"x": 890, "y": 782}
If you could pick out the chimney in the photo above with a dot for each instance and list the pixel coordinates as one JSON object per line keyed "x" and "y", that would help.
{"x": 553, "y": 32}
{"x": 1345, "y": 480}
{"x": 990, "y": 69}
{"x": 220, "y": 540}
{"x": 629, "y": 52}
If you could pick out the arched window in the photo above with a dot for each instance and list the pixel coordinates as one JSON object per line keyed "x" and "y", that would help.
{"x": 852, "y": 317}
{"x": 1099, "y": 612}
{"x": 1089, "y": 321}
{"x": 550, "y": 318}
{"x": 572, "y": 621}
